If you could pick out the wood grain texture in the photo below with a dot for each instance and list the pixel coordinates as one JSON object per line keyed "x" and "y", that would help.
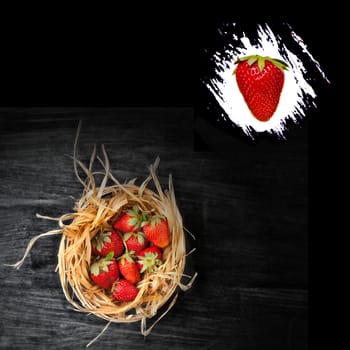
{"x": 251, "y": 292}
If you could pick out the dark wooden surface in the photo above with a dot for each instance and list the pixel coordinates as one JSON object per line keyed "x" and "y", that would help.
{"x": 246, "y": 202}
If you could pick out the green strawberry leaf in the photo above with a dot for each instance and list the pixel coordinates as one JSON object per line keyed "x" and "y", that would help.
{"x": 134, "y": 211}
{"x": 279, "y": 63}
{"x": 129, "y": 258}
{"x": 131, "y": 254}
{"x": 109, "y": 256}
{"x": 95, "y": 269}
{"x": 105, "y": 266}
{"x": 149, "y": 262}
{"x": 155, "y": 220}
{"x": 96, "y": 243}
{"x": 252, "y": 59}
{"x": 107, "y": 239}
{"x": 140, "y": 238}
{"x": 261, "y": 63}
{"x": 133, "y": 221}
{"x": 127, "y": 235}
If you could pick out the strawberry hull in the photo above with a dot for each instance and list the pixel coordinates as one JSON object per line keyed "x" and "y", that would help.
{"x": 135, "y": 241}
{"x": 105, "y": 271}
{"x": 106, "y": 242}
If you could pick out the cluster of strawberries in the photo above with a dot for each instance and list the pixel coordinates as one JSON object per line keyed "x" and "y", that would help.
{"x": 123, "y": 254}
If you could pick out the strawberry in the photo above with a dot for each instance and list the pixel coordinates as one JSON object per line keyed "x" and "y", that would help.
{"x": 149, "y": 259}
{"x": 157, "y": 231}
{"x": 128, "y": 267}
{"x": 135, "y": 241}
{"x": 105, "y": 271}
{"x": 123, "y": 290}
{"x": 130, "y": 221}
{"x": 107, "y": 241}
{"x": 260, "y": 80}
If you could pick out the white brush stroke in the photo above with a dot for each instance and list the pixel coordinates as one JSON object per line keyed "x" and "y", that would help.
{"x": 297, "y": 94}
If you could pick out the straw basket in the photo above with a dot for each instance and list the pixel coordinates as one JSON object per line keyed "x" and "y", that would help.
{"x": 97, "y": 209}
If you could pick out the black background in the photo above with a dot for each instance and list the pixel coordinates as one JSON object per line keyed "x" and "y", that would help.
{"x": 135, "y": 83}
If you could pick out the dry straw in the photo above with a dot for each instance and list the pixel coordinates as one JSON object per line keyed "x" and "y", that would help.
{"x": 98, "y": 207}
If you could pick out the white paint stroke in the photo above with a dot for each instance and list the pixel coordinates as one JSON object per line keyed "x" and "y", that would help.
{"x": 297, "y": 94}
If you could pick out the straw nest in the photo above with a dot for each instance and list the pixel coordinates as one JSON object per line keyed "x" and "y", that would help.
{"x": 98, "y": 208}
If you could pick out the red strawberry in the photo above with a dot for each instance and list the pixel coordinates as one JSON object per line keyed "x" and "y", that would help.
{"x": 149, "y": 259}
{"x": 123, "y": 290}
{"x": 107, "y": 241}
{"x": 105, "y": 271}
{"x": 128, "y": 267}
{"x": 135, "y": 241}
{"x": 130, "y": 221}
{"x": 157, "y": 231}
{"x": 260, "y": 80}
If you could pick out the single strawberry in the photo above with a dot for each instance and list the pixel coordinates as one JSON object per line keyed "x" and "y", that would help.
{"x": 156, "y": 230}
{"x": 260, "y": 80}
{"x": 129, "y": 221}
{"x": 107, "y": 241}
{"x": 123, "y": 290}
{"x": 135, "y": 241}
{"x": 149, "y": 259}
{"x": 128, "y": 267}
{"x": 105, "y": 271}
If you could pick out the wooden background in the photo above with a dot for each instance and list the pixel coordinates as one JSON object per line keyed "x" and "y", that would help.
{"x": 246, "y": 202}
